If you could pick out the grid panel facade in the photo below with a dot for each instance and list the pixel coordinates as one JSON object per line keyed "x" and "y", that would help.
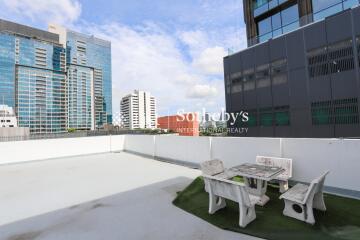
{"x": 41, "y": 100}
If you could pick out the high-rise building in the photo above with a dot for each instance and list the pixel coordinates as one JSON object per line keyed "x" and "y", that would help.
{"x": 54, "y": 80}
{"x": 300, "y": 75}
{"x": 32, "y": 77}
{"x": 88, "y": 62}
{"x": 138, "y": 110}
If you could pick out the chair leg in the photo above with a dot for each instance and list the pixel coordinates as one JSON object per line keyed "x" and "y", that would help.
{"x": 319, "y": 202}
{"x": 284, "y": 186}
{"x": 215, "y": 203}
{"x": 290, "y": 208}
{"x": 246, "y": 215}
{"x": 310, "y": 214}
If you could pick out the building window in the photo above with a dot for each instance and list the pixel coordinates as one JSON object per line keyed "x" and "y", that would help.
{"x": 282, "y": 116}
{"x": 266, "y": 117}
{"x": 346, "y": 111}
{"x": 339, "y": 112}
{"x": 236, "y": 82}
{"x": 323, "y": 9}
{"x": 252, "y": 118}
{"x": 262, "y": 6}
{"x": 341, "y": 56}
{"x": 252, "y": 122}
{"x": 279, "y": 72}
{"x": 318, "y": 62}
{"x": 335, "y": 58}
{"x": 279, "y": 23}
{"x": 321, "y": 113}
{"x": 262, "y": 76}
{"x": 248, "y": 80}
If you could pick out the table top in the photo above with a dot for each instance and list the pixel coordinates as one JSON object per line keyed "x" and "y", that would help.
{"x": 257, "y": 171}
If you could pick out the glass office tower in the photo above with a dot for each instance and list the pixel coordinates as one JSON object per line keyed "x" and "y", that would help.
{"x": 56, "y": 79}
{"x": 94, "y": 53}
{"x": 91, "y": 56}
{"x": 32, "y": 77}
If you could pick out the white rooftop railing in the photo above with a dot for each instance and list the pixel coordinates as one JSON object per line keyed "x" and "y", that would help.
{"x": 310, "y": 156}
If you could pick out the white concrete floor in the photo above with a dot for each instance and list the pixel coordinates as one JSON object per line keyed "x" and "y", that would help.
{"x": 104, "y": 196}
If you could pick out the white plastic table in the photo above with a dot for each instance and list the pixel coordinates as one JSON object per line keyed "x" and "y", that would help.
{"x": 256, "y": 177}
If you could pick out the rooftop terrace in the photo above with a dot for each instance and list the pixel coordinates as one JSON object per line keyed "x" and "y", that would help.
{"x": 122, "y": 187}
{"x": 100, "y": 196}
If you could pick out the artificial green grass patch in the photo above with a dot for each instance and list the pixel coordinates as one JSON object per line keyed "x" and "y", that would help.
{"x": 238, "y": 179}
{"x": 340, "y": 221}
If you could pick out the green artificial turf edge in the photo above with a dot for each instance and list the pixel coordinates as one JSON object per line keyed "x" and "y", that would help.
{"x": 340, "y": 221}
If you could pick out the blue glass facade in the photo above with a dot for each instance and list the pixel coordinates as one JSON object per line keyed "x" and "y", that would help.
{"x": 80, "y": 97}
{"x": 7, "y": 69}
{"x": 90, "y": 52}
{"x": 282, "y": 22}
{"x": 41, "y": 99}
{"x": 323, "y": 9}
{"x": 273, "y": 18}
{"x": 54, "y": 84}
{"x": 32, "y": 81}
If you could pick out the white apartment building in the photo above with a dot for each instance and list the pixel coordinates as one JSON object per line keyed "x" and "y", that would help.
{"x": 7, "y": 116}
{"x": 138, "y": 110}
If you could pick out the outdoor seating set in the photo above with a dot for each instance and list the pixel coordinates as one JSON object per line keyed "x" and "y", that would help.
{"x": 299, "y": 200}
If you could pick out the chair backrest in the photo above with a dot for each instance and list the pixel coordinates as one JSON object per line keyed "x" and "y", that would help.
{"x": 228, "y": 189}
{"x": 316, "y": 186}
{"x": 212, "y": 167}
{"x": 285, "y": 163}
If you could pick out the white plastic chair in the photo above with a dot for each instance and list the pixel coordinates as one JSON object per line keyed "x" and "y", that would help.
{"x": 284, "y": 163}
{"x": 301, "y": 199}
{"x": 221, "y": 189}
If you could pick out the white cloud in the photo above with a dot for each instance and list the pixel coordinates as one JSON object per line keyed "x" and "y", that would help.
{"x": 210, "y": 60}
{"x": 202, "y": 91}
{"x": 59, "y": 11}
{"x": 147, "y": 58}
{"x": 208, "y": 48}
{"x": 183, "y": 68}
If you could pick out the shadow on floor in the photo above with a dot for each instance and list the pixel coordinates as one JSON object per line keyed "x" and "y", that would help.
{"x": 142, "y": 213}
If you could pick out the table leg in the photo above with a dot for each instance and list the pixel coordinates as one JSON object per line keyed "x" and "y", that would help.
{"x": 259, "y": 190}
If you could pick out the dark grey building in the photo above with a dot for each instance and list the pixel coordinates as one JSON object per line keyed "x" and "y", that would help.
{"x": 301, "y": 83}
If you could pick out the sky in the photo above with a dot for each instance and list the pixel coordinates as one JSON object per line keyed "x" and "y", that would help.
{"x": 171, "y": 48}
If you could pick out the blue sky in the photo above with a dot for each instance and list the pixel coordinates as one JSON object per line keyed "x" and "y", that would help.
{"x": 173, "y": 49}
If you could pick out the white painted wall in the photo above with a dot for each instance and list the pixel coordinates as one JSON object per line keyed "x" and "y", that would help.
{"x": 144, "y": 144}
{"x": 117, "y": 143}
{"x": 235, "y": 151}
{"x": 186, "y": 149}
{"x": 311, "y": 157}
{"x": 24, "y": 151}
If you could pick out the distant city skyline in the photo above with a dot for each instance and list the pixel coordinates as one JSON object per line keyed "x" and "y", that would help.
{"x": 173, "y": 50}
{"x": 55, "y": 80}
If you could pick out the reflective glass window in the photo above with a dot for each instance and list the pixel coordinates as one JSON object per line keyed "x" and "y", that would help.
{"x": 319, "y": 5}
{"x": 265, "y": 26}
{"x": 276, "y": 21}
{"x": 290, "y": 15}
